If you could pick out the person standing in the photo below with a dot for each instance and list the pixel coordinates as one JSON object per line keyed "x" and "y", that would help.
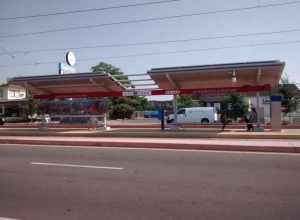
{"x": 224, "y": 119}
{"x": 252, "y": 119}
{"x": 93, "y": 121}
{"x": 2, "y": 119}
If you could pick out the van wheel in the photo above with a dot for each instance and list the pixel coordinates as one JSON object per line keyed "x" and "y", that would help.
{"x": 169, "y": 121}
{"x": 204, "y": 121}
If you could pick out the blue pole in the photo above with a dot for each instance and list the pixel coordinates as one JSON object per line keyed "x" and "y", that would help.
{"x": 60, "y": 68}
{"x": 162, "y": 118}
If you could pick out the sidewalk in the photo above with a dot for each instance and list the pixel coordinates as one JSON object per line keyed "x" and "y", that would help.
{"x": 257, "y": 145}
{"x": 196, "y": 133}
{"x": 140, "y": 124}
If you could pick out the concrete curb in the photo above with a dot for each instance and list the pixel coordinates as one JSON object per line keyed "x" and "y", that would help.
{"x": 154, "y": 134}
{"x": 144, "y": 126}
{"x": 215, "y": 147}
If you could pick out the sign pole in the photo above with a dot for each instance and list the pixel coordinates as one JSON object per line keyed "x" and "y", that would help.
{"x": 162, "y": 118}
{"x": 175, "y": 125}
{"x": 60, "y": 69}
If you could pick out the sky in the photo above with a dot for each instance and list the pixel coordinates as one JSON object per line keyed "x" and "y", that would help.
{"x": 271, "y": 19}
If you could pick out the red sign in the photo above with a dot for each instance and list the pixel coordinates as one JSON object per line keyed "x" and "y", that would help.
{"x": 197, "y": 92}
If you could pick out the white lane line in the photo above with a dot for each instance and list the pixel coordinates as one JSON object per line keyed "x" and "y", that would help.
{"x": 3, "y": 218}
{"x": 76, "y": 165}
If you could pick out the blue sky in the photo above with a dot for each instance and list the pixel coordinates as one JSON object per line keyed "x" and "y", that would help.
{"x": 258, "y": 20}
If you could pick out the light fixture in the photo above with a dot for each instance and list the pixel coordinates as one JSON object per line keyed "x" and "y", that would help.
{"x": 233, "y": 77}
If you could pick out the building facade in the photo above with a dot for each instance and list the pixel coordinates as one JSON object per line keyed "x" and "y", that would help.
{"x": 12, "y": 101}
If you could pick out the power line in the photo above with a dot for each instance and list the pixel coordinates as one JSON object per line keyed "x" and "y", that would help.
{"x": 86, "y": 10}
{"x": 164, "y": 53}
{"x": 156, "y": 42}
{"x": 198, "y": 50}
{"x": 150, "y": 19}
{"x": 5, "y": 52}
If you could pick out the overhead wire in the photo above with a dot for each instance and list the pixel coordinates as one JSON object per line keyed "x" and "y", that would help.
{"x": 86, "y": 10}
{"x": 164, "y": 53}
{"x": 156, "y": 42}
{"x": 270, "y": 5}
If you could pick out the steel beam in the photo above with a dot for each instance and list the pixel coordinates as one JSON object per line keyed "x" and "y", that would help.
{"x": 172, "y": 82}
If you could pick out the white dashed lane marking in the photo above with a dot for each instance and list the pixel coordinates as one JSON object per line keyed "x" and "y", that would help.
{"x": 3, "y": 218}
{"x": 76, "y": 165}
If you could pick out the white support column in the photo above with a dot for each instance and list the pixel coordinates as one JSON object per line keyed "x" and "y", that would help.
{"x": 105, "y": 121}
{"x": 106, "y": 128}
{"x": 258, "y": 107}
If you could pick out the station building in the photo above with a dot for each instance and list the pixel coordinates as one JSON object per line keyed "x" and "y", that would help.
{"x": 252, "y": 78}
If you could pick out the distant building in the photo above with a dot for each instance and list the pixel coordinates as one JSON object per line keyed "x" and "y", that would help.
{"x": 12, "y": 92}
{"x": 12, "y": 100}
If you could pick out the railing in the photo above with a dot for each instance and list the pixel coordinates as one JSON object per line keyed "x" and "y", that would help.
{"x": 292, "y": 118}
{"x": 94, "y": 121}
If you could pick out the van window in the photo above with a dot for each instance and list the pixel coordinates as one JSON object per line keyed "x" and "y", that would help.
{"x": 181, "y": 112}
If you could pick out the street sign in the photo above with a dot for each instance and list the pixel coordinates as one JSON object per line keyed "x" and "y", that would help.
{"x": 172, "y": 92}
{"x": 143, "y": 92}
{"x": 137, "y": 93}
{"x": 70, "y": 58}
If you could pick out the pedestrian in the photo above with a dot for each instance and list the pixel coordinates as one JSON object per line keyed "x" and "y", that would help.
{"x": 251, "y": 119}
{"x": 93, "y": 123}
{"x": 2, "y": 119}
{"x": 224, "y": 119}
{"x": 246, "y": 119}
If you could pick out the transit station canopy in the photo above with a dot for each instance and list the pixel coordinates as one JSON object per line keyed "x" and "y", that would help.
{"x": 198, "y": 80}
{"x": 79, "y": 83}
{"x": 218, "y": 76}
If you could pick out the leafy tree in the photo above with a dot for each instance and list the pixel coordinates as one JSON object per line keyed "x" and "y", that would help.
{"x": 122, "y": 110}
{"x": 142, "y": 103}
{"x": 122, "y": 107}
{"x": 30, "y": 108}
{"x": 235, "y": 105}
{"x": 290, "y": 95}
{"x": 186, "y": 101}
{"x": 106, "y": 68}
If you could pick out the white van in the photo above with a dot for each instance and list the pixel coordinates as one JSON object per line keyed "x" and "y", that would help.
{"x": 203, "y": 115}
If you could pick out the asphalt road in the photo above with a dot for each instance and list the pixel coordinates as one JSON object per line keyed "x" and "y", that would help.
{"x": 124, "y": 184}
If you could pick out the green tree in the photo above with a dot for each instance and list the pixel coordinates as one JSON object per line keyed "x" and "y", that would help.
{"x": 122, "y": 111}
{"x": 30, "y": 108}
{"x": 290, "y": 95}
{"x": 141, "y": 103}
{"x": 235, "y": 105}
{"x": 106, "y": 68}
{"x": 186, "y": 101}
{"x": 121, "y": 107}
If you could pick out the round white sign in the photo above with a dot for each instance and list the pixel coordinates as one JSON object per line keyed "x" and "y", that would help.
{"x": 70, "y": 58}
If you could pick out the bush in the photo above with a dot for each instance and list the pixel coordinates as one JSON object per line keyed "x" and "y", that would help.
{"x": 121, "y": 111}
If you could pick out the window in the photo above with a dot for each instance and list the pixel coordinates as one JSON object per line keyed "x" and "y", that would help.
{"x": 15, "y": 93}
{"x": 181, "y": 112}
{"x": 1, "y": 93}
